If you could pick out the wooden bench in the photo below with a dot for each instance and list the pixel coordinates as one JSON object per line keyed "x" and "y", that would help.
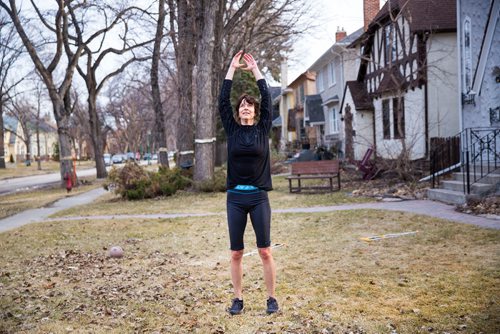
{"x": 308, "y": 170}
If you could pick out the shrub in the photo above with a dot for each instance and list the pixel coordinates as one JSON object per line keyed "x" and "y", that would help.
{"x": 133, "y": 182}
{"x": 217, "y": 184}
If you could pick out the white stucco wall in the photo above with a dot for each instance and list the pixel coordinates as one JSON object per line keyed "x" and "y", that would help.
{"x": 414, "y": 127}
{"x": 444, "y": 111}
{"x": 363, "y": 125}
{"x": 489, "y": 97}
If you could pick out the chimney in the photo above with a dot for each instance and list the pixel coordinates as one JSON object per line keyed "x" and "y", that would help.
{"x": 340, "y": 35}
{"x": 284, "y": 73}
{"x": 370, "y": 10}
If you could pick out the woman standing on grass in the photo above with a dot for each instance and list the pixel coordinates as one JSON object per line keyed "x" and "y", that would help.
{"x": 248, "y": 177}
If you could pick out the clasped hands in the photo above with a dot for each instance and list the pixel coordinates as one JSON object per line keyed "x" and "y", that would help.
{"x": 250, "y": 63}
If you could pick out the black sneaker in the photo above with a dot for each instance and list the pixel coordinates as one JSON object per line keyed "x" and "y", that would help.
{"x": 236, "y": 307}
{"x": 272, "y": 306}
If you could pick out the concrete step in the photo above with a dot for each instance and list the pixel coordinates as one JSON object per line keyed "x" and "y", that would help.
{"x": 490, "y": 178}
{"x": 475, "y": 188}
{"x": 447, "y": 196}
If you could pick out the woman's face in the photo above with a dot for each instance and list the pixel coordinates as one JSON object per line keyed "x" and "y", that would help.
{"x": 246, "y": 113}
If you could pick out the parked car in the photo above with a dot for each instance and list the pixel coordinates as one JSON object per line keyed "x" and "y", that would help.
{"x": 118, "y": 158}
{"x": 130, "y": 156}
{"x": 107, "y": 159}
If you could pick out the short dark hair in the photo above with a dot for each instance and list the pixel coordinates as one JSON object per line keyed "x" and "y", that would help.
{"x": 250, "y": 100}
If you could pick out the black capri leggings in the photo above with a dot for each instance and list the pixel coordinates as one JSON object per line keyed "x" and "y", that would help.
{"x": 239, "y": 205}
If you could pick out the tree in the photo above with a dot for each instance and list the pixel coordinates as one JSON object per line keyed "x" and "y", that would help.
{"x": 115, "y": 19}
{"x": 159, "y": 130}
{"x": 263, "y": 27}
{"x": 57, "y": 89}
{"x": 10, "y": 52}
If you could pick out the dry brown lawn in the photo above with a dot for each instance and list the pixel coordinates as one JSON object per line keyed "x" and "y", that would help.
{"x": 55, "y": 277}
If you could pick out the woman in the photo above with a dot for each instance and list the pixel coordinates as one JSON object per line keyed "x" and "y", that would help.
{"x": 248, "y": 177}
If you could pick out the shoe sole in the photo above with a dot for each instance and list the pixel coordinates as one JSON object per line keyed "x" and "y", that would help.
{"x": 236, "y": 313}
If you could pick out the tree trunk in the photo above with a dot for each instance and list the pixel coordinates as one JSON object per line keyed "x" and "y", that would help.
{"x": 205, "y": 125}
{"x": 159, "y": 130}
{"x": 185, "y": 62}
{"x": 2, "y": 143}
{"x": 95, "y": 128}
{"x": 63, "y": 123}
{"x": 349, "y": 134}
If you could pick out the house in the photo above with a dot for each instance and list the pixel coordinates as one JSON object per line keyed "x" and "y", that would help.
{"x": 405, "y": 91}
{"x": 15, "y": 139}
{"x": 295, "y": 129}
{"x": 336, "y": 66}
{"x": 479, "y": 79}
{"x": 476, "y": 160}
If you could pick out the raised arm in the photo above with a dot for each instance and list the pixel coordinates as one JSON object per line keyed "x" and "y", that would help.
{"x": 265, "y": 102}
{"x": 235, "y": 63}
{"x": 225, "y": 109}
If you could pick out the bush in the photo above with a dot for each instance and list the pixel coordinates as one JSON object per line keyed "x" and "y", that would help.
{"x": 217, "y": 184}
{"x": 133, "y": 182}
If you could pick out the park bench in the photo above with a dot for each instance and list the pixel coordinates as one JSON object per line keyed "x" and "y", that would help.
{"x": 310, "y": 170}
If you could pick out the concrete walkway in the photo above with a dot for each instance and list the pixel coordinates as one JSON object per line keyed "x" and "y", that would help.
{"x": 422, "y": 207}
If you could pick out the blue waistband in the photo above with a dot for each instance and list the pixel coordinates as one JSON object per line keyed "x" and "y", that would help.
{"x": 244, "y": 189}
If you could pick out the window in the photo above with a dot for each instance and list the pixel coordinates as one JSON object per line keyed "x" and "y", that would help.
{"x": 334, "y": 121}
{"x": 331, "y": 74}
{"x": 398, "y": 114}
{"x": 320, "y": 81}
{"x": 301, "y": 94}
{"x": 386, "y": 119}
{"x": 467, "y": 61}
{"x": 390, "y": 51}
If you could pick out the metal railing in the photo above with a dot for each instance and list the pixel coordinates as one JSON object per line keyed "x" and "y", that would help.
{"x": 474, "y": 151}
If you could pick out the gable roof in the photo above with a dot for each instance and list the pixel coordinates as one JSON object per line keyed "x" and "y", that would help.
{"x": 422, "y": 16}
{"x": 330, "y": 53}
{"x": 360, "y": 97}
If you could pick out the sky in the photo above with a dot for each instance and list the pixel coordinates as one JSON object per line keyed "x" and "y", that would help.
{"x": 329, "y": 15}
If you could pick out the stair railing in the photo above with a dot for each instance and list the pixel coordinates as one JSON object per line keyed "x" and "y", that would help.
{"x": 472, "y": 148}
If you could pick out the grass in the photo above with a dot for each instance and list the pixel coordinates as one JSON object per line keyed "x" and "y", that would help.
{"x": 190, "y": 202}
{"x": 174, "y": 278}
{"x": 20, "y": 170}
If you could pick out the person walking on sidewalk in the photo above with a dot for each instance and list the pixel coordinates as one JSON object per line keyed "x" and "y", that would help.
{"x": 248, "y": 177}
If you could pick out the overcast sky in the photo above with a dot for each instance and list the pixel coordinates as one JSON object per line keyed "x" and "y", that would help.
{"x": 329, "y": 14}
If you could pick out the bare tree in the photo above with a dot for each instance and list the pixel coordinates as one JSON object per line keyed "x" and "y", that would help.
{"x": 263, "y": 27}
{"x": 159, "y": 131}
{"x": 10, "y": 52}
{"x": 47, "y": 70}
{"x": 118, "y": 20}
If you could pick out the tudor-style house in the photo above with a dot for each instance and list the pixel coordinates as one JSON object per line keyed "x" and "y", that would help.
{"x": 405, "y": 92}
{"x": 336, "y": 66}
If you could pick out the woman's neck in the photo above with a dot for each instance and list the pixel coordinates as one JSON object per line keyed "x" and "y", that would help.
{"x": 247, "y": 121}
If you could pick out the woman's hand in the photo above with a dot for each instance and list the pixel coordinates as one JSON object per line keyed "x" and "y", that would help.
{"x": 252, "y": 66}
{"x": 235, "y": 63}
{"x": 251, "y": 63}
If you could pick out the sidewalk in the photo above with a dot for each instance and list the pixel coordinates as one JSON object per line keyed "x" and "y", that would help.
{"x": 422, "y": 207}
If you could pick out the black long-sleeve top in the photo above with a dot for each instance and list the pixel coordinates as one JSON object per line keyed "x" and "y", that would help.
{"x": 248, "y": 154}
